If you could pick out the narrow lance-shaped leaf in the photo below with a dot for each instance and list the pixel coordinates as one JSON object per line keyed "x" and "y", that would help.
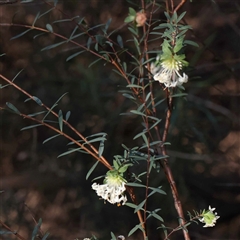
{"x": 75, "y": 29}
{"x": 31, "y": 126}
{"x": 91, "y": 169}
{"x": 133, "y": 230}
{"x": 36, "y": 18}
{"x": 101, "y": 148}
{"x": 137, "y": 45}
{"x": 89, "y": 42}
{"x": 60, "y": 120}
{"x": 107, "y": 25}
{"x": 99, "y": 59}
{"x": 37, "y": 100}
{"x": 113, "y": 237}
{"x": 126, "y": 95}
{"x": 13, "y": 108}
{"x": 36, "y": 114}
{"x": 68, "y": 152}
{"x": 53, "y": 45}
{"x": 120, "y": 41}
{"x": 48, "y": 139}
{"x": 65, "y": 20}
{"x": 46, "y": 12}
{"x": 67, "y": 115}
{"x": 45, "y": 236}
{"x": 36, "y": 229}
{"x": 53, "y": 106}
{"x": 74, "y": 55}
{"x": 21, "y": 34}
{"x": 49, "y": 27}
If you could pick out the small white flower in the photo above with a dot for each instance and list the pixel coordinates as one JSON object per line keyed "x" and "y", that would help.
{"x": 113, "y": 189}
{"x": 168, "y": 73}
{"x": 209, "y": 217}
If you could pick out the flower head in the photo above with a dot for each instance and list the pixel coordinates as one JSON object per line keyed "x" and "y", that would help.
{"x": 112, "y": 189}
{"x": 209, "y": 217}
{"x": 168, "y": 66}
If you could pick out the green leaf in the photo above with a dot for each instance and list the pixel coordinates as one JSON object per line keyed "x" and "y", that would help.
{"x": 38, "y": 101}
{"x": 115, "y": 164}
{"x": 132, "y": 184}
{"x": 53, "y": 106}
{"x": 134, "y": 86}
{"x": 137, "y": 45}
{"x": 17, "y": 75}
{"x": 155, "y": 124}
{"x": 89, "y": 42}
{"x": 45, "y": 236}
{"x": 74, "y": 55}
{"x": 36, "y": 229}
{"x": 13, "y": 108}
{"x": 45, "y": 13}
{"x": 53, "y": 45}
{"x": 132, "y": 11}
{"x": 107, "y": 25}
{"x": 113, "y": 237}
{"x": 69, "y": 151}
{"x": 91, "y": 169}
{"x": 181, "y": 16}
{"x": 189, "y": 42}
{"x": 36, "y": 114}
{"x": 60, "y": 120}
{"x": 133, "y": 230}
{"x": 40, "y": 34}
{"x": 31, "y": 126}
{"x": 138, "y": 135}
{"x": 36, "y": 18}
{"x": 65, "y": 20}
{"x": 133, "y": 31}
{"x": 67, "y": 115}
{"x": 179, "y": 95}
{"x": 21, "y": 34}
{"x": 49, "y": 27}
{"x": 5, "y": 232}
{"x": 129, "y": 19}
{"x": 155, "y": 215}
{"x": 120, "y": 41}
{"x": 131, "y": 205}
{"x": 126, "y": 95}
{"x": 75, "y": 29}
{"x": 124, "y": 168}
{"x": 101, "y": 148}
{"x": 91, "y": 64}
{"x": 138, "y": 113}
{"x": 48, "y": 139}
{"x": 98, "y": 134}
{"x": 157, "y": 190}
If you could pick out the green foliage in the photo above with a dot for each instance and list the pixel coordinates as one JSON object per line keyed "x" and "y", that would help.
{"x": 145, "y": 102}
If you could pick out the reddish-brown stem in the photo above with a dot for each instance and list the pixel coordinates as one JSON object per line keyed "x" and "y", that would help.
{"x": 168, "y": 172}
{"x": 179, "y": 5}
{"x": 10, "y": 230}
{"x": 94, "y": 154}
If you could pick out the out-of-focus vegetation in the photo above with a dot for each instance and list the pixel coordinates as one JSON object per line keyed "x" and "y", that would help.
{"x": 204, "y": 133}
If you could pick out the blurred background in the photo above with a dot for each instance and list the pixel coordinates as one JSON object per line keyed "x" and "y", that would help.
{"x": 204, "y": 132}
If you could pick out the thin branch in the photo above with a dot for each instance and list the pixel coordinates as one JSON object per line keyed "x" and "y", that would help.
{"x": 179, "y": 5}
{"x": 10, "y": 230}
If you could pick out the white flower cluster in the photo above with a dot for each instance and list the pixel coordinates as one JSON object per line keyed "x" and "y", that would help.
{"x": 209, "y": 217}
{"x": 112, "y": 190}
{"x": 167, "y": 73}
